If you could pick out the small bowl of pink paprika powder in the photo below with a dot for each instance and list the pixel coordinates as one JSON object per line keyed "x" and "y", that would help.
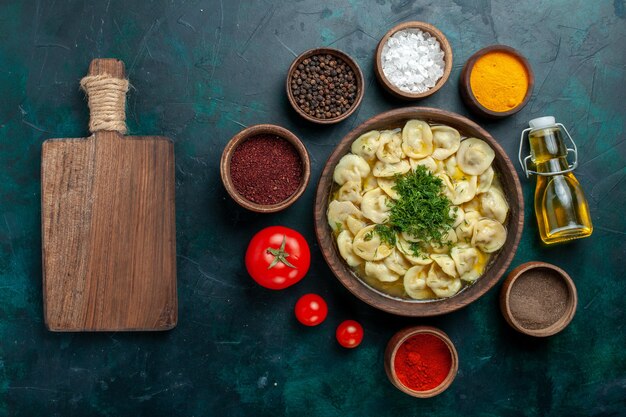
{"x": 265, "y": 168}
{"x": 421, "y": 361}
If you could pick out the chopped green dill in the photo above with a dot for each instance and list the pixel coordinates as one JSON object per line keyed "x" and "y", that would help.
{"x": 338, "y": 226}
{"x": 422, "y": 210}
{"x": 368, "y": 236}
{"x": 415, "y": 248}
{"x": 386, "y": 233}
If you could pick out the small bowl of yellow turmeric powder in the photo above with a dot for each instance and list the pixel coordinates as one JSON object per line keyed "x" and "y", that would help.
{"x": 496, "y": 82}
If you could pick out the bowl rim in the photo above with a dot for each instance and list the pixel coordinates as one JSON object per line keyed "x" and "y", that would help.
{"x": 244, "y": 135}
{"x": 402, "y": 336}
{"x": 554, "y": 328}
{"x": 360, "y": 83}
{"x": 466, "y": 90}
{"x": 445, "y": 47}
{"x": 416, "y": 308}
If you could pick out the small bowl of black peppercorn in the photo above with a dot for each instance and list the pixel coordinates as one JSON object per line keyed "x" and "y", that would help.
{"x": 325, "y": 85}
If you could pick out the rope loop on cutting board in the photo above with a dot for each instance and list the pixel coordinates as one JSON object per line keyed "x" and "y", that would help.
{"x": 107, "y": 102}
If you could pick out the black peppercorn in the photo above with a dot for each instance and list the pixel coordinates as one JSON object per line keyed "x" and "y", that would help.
{"x": 324, "y": 85}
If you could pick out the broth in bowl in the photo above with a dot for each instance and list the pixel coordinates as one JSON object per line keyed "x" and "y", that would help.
{"x": 418, "y": 213}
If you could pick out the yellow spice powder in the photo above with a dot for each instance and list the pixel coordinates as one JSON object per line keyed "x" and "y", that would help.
{"x": 499, "y": 81}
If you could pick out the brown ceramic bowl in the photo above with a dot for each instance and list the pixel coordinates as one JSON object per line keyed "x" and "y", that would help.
{"x": 420, "y": 308}
{"x": 390, "y": 356}
{"x": 245, "y": 135}
{"x": 445, "y": 47}
{"x": 345, "y": 58}
{"x": 536, "y": 268}
{"x": 466, "y": 90}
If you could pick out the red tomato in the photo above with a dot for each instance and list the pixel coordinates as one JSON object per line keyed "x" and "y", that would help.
{"x": 311, "y": 310}
{"x": 277, "y": 257}
{"x": 349, "y": 334}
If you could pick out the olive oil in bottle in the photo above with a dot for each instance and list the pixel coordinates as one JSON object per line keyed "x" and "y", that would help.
{"x": 560, "y": 205}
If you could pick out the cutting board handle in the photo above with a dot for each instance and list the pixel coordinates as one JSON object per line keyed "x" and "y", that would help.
{"x": 106, "y": 86}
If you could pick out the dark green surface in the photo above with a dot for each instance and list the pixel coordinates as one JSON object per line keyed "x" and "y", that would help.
{"x": 203, "y": 70}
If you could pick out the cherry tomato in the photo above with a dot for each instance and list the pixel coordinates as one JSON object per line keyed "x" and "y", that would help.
{"x": 278, "y": 257}
{"x": 349, "y": 334}
{"x": 311, "y": 310}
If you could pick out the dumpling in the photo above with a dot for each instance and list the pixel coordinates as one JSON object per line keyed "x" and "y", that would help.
{"x": 397, "y": 263}
{"x": 464, "y": 190}
{"x": 446, "y": 141}
{"x": 489, "y": 235}
{"x": 459, "y": 187}
{"x": 368, "y": 245}
{"x": 375, "y": 206}
{"x": 382, "y": 169}
{"x": 495, "y": 184}
{"x": 484, "y": 180}
{"x": 451, "y": 167}
{"x": 390, "y": 150}
{"x": 350, "y": 191}
{"x": 369, "y": 183}
{"x": 409, "y": 237}
{"x": 494, "y": 205}
{"x": 458, "y": 214}
{"x": 448, "y": 188}
{"x": 351, "y": 168}
{"x": 474, "y": 156}
{"x": 354, "y": 225}
{"x": 428, "y": 162}
{"x": 447, "y": 239}
{"x": 366, "y": 145}
{"x": 472, "y": 205}
{"x": 468, "y": 262}
{"x": 344, "y": 243}
{"x": 387, "y": 184}
{"x": 415, "y": 283}
{"x": 446, "y": 264}
{"x": 404, "y": 246}
{"x": 442, "y": 284}
{"x": 379, "y": 271}
{"x": 417, "y": 139}
{"x": 465, "y": 230}
{"x": 338, "y": 212}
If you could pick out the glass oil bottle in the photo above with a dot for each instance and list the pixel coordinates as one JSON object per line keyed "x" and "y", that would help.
{"x": 560, "y": 205}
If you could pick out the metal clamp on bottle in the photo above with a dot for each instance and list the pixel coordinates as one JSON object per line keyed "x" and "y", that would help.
{"x": 549, "y": 122}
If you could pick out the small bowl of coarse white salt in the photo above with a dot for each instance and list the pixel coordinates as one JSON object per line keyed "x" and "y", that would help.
{"x": 413, "y": 60}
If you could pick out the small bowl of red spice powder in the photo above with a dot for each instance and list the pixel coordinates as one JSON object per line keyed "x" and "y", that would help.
{"x": 421, "y": 361}
{"x": 265, "y": 168}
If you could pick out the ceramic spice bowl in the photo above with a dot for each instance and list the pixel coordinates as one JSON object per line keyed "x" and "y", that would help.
{"x": 445, "y": 47}
{"x": 468, "y": 95}
{"x": 426, "y": 352}
{"x": 271, "y": 134}
{"x": 332, "y": 81}
{"x": 538, "y": 299}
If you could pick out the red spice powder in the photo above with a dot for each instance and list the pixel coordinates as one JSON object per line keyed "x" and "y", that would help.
{"x": 266, "y": 169}
{"x": 422, "y": 362}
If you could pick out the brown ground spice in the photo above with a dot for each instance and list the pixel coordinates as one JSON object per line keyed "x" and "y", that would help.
{"x": 266, "y": 169}
{"x": 538, "y": 299}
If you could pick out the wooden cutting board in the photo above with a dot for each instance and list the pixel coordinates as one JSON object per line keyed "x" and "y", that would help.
{"x": 108, "y": 229}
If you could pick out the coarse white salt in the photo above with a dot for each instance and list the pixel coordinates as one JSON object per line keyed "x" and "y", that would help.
{"x": 412, "y": 60}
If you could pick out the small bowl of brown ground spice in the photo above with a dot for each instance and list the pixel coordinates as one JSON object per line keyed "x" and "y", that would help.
{"x": 265, "y": 168}
{"x": 538, "y": 299}
{"x": 324, "y": 85}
